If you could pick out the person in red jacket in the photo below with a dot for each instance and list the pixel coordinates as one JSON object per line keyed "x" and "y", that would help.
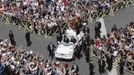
{"x": 97, "y": 42}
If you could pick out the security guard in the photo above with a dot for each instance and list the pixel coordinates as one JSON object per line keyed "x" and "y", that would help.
{"x": 11, "y": 37}
{"x": 27, "y": 36}
{"x": 91, "y": 67}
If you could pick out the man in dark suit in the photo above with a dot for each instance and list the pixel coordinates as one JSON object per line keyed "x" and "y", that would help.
{"x": 84, "y": 43}
{"x": 27, "y": 36}
{"x": 87, "y": 38}
{"x": 114, "y": 28}
{"x": 59, "y": 37}
{"x": 87, "y": 54}
{"x": 75, "y": 68}
{"x": 109, "y": 60}
{"x": 121, "y": 66}
{"x": 66, "y": 39}
{"x": 51, "y": 47}
{"x": 101, "y": 64}
{"x": 78, "y": 51}
{"x": 78, "y": 28}
{"x": 11, "y": 37}
{"x": 86, "y": 29}
{"x": 91, "y": 67}
{"x": 97, "y": 29}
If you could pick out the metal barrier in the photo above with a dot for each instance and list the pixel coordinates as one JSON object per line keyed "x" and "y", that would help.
{"x": 91, "y": 17}
{"x": 26, "y": 26}
{"x": 128, "y": 2}
{"x": 110, "y": 10}
{"x": 129, "y": 64}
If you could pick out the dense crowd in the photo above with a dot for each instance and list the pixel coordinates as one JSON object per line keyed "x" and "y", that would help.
{"x": 118, "y": 44}
{"x": 44, "y": 16}
{"x": 17, "y": 61}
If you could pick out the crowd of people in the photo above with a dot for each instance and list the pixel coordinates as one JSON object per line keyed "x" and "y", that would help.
{"x": 18, "y": 61}
{"x": 118, "y": 44}
{"x": 44, "y": 16}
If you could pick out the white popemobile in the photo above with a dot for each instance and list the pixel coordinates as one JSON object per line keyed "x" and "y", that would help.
{"x": 67, "y": 50}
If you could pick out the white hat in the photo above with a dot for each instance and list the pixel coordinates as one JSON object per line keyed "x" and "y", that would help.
{"x": 84, "y": 24}
{"x": 12, "y": 66}
{"x": 4, "y": 54}
{"x": 47, "y": 66}
{"x": 31, "y": 52}
{"x": 132, "y": 36}
{"x": 1, "y": 43}
{"x": 41, "y": 63}
{"x": 57, "y": 62}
